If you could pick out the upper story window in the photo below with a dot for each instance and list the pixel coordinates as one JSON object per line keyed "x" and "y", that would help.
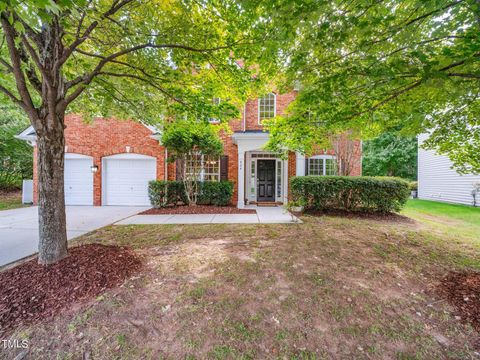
{"x": 267, "y": 107}
{"x": 216, "y": 101}
{"x": 321, "y": 165}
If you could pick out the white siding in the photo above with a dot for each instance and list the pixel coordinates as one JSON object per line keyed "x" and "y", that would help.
{"x": 438, "y": 181}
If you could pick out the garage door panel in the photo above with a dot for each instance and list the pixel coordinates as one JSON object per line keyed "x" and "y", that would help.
{"x": 78, "y": 182}
{"x": 126, "y": 181}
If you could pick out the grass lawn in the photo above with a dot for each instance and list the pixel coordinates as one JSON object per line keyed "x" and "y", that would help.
{"x": 328, "y": 288}
{"x": 461, "y": 220}
{"x": 11, "y": 200}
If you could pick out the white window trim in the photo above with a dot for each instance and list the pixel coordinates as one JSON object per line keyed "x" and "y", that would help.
{"x": 250, "y": 160}
{"x": 214, "y": 120}
{"x": 323, "y": 157}
{"x": 274, "y": 107}
{"x": 202, "y": 170}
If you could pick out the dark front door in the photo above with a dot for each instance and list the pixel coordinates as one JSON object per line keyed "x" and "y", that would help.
{"x": 266, "y": 180}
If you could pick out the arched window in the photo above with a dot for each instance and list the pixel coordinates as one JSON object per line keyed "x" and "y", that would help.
{"x": 267, "y": 107}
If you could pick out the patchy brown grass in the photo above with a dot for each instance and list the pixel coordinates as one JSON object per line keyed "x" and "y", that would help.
{"x": 327, "y": 288}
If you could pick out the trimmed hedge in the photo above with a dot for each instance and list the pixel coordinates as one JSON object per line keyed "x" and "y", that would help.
{"x": 350, "y": 193}
{"x": 166, "y": 193}
{"x": 171, "y": 193}
{"x": 215, "y": 193}
{"x": 414, "y": 185}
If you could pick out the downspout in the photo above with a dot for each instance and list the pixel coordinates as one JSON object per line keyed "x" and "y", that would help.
{"x": 165, "y": 165}
{"x": 245, "y": 116}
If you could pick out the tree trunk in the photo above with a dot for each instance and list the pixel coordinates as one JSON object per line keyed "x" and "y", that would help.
{"x": 52, "y": 246}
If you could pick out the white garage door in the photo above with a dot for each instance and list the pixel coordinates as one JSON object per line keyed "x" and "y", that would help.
{"x": 78, "y": 180}
{"x": 126, "y": 178}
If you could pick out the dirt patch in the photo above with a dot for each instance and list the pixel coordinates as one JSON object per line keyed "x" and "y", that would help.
{"x": 198, "y": 209}
{"x": 462, "y": 290}
{"x": 362, "y": 215}
{"x": 31, "y": 292}
{"x": 10, "y": 191}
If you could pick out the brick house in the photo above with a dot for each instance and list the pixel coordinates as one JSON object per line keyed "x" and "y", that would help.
{"x": 109, "y": 162}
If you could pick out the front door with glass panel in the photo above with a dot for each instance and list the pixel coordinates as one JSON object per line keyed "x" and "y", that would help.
{"x": 265, "y": 180}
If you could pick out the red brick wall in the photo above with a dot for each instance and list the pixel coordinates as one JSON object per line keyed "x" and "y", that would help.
{"x": 292, "y": 170}
{"x": 105, "y": 137}
{"x": 249, "y": 114}
{"x": 230, "y": 149}
{"x": 171, "y": 171}
{"x": 251, "y": 111}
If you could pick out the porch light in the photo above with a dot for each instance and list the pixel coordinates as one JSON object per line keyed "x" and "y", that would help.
{"x": 94, "y": 168}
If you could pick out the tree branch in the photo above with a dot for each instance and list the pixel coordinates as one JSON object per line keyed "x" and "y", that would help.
{"x": 469, "y": 76}
{"x": 11, "y": 96}
{"x": 146, "y": 81}
{"x": 116, "y": 6}
{"x": 35, "y": 57}
{"x": 17, "y": 69}
{"x": 6, "y": 64}
{"x": 396, "y": 93}
{"x": 86, "y": 78}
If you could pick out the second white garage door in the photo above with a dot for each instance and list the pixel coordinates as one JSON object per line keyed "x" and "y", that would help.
{"x": 126, "y": 177}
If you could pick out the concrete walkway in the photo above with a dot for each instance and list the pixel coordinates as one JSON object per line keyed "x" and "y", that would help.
{"x": 264, "y": 215}
{"x": 19, "y": 227}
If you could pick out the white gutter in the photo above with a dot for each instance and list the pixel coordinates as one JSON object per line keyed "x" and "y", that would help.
{"x": 25, "y": 136}
{"x": 165, "y": 165}
{"x": 245, "y": 116}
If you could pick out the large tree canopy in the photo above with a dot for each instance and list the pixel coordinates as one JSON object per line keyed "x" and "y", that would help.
{"x": 128, "y": 58}
{"x": 140, "y": 59}
{"x": 373, "y": 65}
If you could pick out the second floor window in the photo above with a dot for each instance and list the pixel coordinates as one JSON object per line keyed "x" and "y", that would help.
{"x": 266, "y": 107}
{"x": 216, "y": 101}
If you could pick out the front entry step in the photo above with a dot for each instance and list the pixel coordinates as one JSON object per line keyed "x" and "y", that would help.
{"x": 268, "y": 203}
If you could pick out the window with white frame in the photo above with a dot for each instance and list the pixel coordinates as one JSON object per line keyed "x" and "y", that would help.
{"x": 252, "y": 178}
{"x": 279, "y": 178}
{"x": 266, "y": 107}
{"x": 204, "y": 167}
{"x": 216, "y": 101}
{"x": 322, "y": 165}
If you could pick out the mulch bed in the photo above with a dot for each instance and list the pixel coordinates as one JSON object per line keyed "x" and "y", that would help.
{"x": 361, "y": 215}
{"x": 462, "y": 290}
{"x": 198, "y": 209}
{"x": 31, "y": 292}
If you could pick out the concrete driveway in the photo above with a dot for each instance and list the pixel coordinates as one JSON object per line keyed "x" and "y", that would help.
{"x": 19, "y": 227}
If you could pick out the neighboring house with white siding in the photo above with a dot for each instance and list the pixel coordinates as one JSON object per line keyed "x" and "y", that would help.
{"x": 438, "y": 181}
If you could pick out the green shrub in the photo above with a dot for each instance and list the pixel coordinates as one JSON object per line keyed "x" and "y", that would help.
{"x": 350, "y": 193}
{"x": 166, "y": 193}
{"x": 413, "y": 185}
{"x": 171, "y": 193}
{"x": 215, "y": 193}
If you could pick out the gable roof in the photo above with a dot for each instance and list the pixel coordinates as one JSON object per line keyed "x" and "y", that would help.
{"x": 27, "y": 135}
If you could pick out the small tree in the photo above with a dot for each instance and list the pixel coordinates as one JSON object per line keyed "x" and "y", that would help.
{"x": 187, "y": 141}
{"x": 346, "y": 153}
